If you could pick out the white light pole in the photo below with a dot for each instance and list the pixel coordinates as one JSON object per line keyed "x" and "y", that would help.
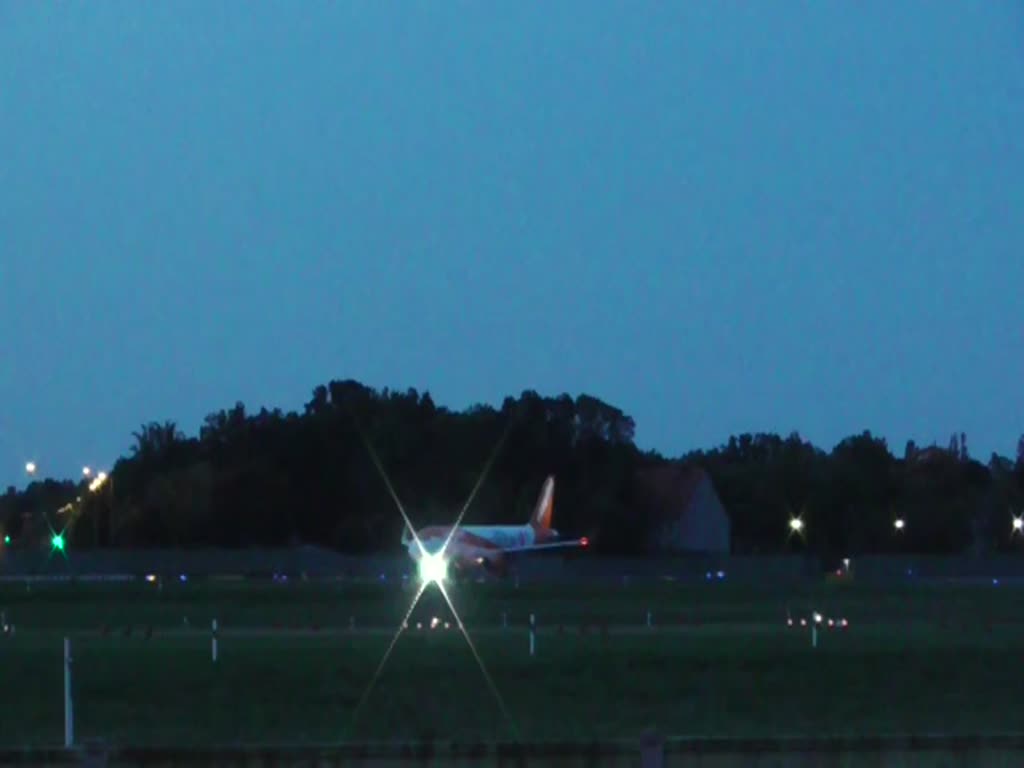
{"x": 814, "y": 629}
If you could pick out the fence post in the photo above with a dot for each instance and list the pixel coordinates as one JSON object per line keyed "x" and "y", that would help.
{"x": 213, "y": 641}
{"x": 652, "y": 749}
{"x": 69, "y": 722}
{"x": 533, "y": 634}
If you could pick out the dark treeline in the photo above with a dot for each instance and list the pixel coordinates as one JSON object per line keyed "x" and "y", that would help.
{"x": 273, "y": 479}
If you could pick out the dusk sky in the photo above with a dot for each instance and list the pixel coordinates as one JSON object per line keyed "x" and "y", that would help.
{"x": 720, "y": 217}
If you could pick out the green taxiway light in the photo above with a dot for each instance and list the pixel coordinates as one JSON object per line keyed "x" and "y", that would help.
{"x": 58, "y": 542}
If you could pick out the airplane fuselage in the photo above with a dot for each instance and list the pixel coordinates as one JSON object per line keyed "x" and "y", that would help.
{"x": 488, "y": 545}
{"x": 474, "y": 545}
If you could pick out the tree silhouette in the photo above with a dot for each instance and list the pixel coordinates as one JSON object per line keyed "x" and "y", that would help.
{"x": 269, "y": 478}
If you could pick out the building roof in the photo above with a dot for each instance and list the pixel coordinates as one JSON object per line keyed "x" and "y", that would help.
{"x": 667, "y": 488}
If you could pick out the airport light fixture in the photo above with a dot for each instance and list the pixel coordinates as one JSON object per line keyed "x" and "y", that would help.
{"x": 1018, "y": 524}
{"x": 796, "y": 525}
{"x": 899, "y": 524}
{"x": 58, "y": 540}
{"x": 97, "y": 482}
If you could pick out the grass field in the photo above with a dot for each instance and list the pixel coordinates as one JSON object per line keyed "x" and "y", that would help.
{"x": 720, "y": 661}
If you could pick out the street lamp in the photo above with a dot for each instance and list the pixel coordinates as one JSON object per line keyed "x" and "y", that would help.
{"x": 1018, "y": 524}
{"x": 899, "y": 524}
{"x": 796, "y": 525}
{"x": 98, "y": 482}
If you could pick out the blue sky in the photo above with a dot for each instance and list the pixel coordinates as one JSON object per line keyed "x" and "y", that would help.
{"x": 721, "y": 217}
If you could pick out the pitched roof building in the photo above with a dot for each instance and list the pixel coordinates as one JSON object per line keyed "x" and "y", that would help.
{"x": 683, "y": 509}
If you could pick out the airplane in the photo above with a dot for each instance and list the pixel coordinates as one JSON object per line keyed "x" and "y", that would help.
{"x": 487, "y": 546}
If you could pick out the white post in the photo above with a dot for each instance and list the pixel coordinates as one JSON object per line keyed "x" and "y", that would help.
{"x": 213, "y": 642}
{"x": 814, "y": 634}
{"x": 533, "y": 640}
{"x": 69, "y": 724}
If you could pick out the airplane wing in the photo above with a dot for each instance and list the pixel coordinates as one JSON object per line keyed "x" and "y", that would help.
{"x": 583, "y": 542}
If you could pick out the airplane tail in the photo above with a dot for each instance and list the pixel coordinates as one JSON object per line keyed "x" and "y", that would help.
{"x": 540, "y": 520}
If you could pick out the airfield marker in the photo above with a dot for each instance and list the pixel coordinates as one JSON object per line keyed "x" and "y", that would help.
{"x": 533, "y": 628}
{"x": 213, "y": 641}
{"x": 648, "y": 618}
{"x": 69, "y": 725}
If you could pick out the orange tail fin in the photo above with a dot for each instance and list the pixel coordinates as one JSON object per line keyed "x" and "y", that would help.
{"x": 541, "y": 518}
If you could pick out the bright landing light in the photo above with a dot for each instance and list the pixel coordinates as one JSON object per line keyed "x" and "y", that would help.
{"x": 433, "y": 568}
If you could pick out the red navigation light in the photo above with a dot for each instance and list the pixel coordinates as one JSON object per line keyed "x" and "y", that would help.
{"x": 584, "y": 542}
